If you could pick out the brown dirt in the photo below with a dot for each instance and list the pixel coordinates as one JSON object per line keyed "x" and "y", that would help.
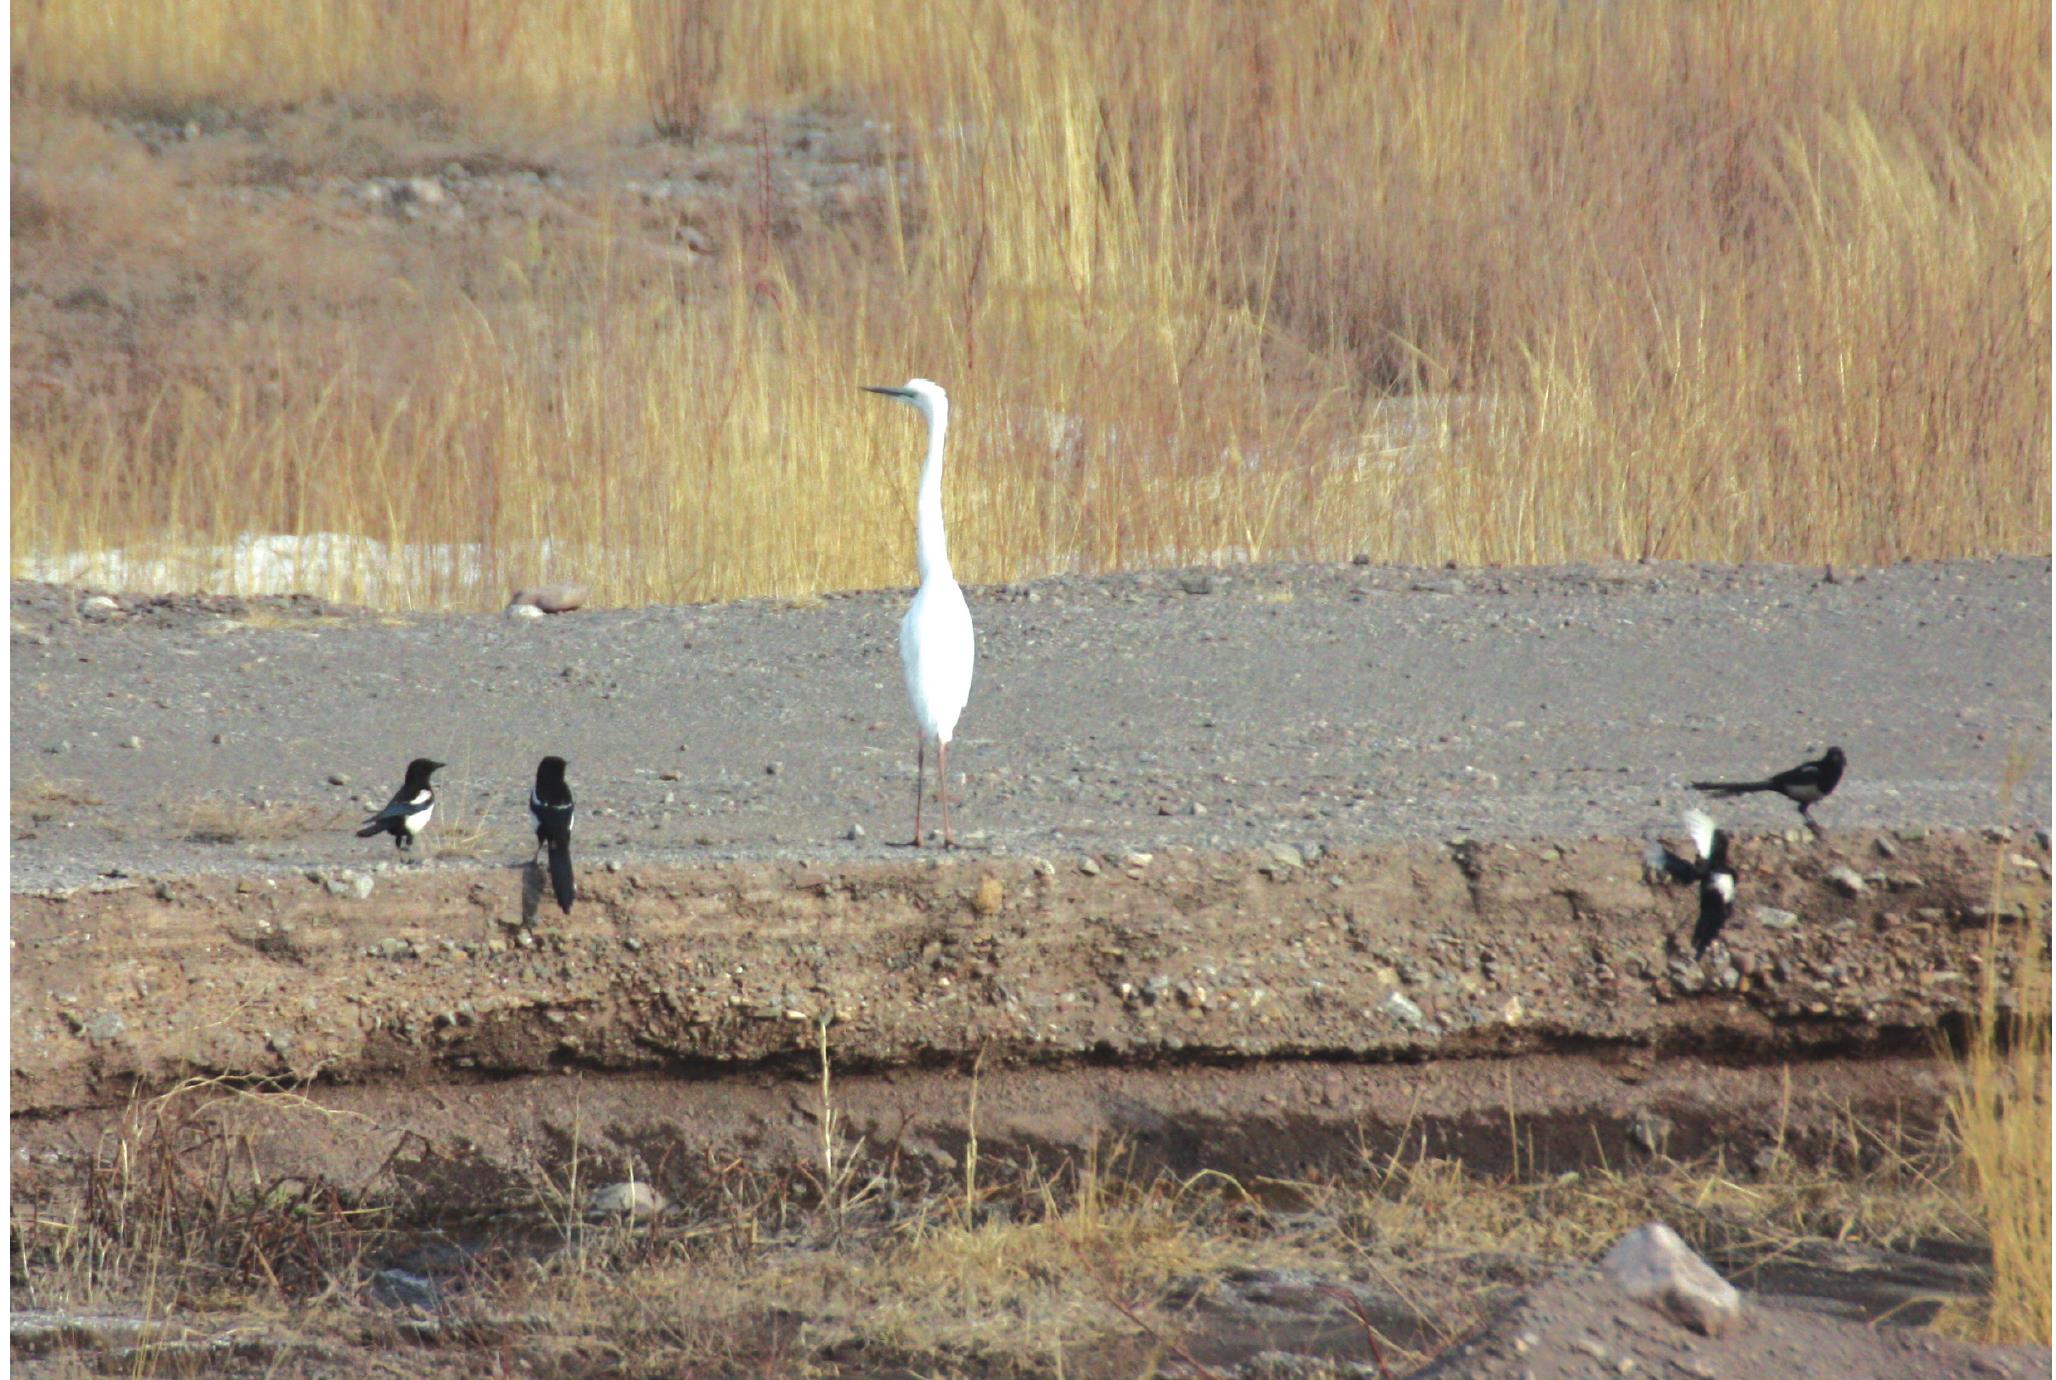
{"x": 1164, "y": 1000}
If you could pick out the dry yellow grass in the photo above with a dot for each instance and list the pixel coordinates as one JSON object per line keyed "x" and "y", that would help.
{"x": 38, "y": 799}
{"x": 2001, "y": 1115}
{"x": 1500, "y": 283}
{"x": 222, "y": 819}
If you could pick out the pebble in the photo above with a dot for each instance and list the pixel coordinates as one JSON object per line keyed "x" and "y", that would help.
{"x": 854, "y": 833}
{"x": 1846, "y": 880}
{"x": 521, "y": 611}
{"x": 338, "y": 778}
{"x": 63, "y": 745}
{"x": 1196, "y": 584}
{"x": 1771, "y": 918}
{"x": 1285, "y": 855}
{"x": 132, "y": 742}
{"x": 1402, "y": 1008}
{"x": 1138, "y": 860}
{"x": 989, "y": 896}
{"x": 105, "y": 1027}
{"x": 1089, "y": 866}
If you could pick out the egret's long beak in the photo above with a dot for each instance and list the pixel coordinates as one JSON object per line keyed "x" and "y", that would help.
{"x": 888, "y": 392}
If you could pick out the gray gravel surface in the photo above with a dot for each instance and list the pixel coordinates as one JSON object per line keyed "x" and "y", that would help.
{"x": 1307, "y": 705}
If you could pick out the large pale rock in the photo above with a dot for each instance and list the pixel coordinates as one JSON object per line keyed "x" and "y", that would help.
{"x": 635, "y": 1202}
{"x": 1652, "y": 1265}
{"x": 552, "y": 598}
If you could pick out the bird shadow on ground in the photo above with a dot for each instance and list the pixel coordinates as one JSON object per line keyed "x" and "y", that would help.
{"x": 532, "y": 881}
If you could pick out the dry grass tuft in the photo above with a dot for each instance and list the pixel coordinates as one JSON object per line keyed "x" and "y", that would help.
{"x": 221, "y": 819}
{"x": 38, "y": 799}
{"x": 1502, "y": 283}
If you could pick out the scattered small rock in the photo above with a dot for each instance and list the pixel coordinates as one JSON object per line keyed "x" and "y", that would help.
{"x": 856, "y": 832}
{"x": 1137, "y": 861}
{"x": 518, "y": 611}
{"x": 132, "y": 742}
{"x": 1089, "y": 866}
{"x": 338, "y": 778}
{"x": 989, "y": 896}
{"x": 349, "y": 885}
{"x": 1653, "y": 1266}
{"x": 1200, "y": 583}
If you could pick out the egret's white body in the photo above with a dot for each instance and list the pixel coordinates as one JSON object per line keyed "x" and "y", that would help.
{"x": 937, "y": 643}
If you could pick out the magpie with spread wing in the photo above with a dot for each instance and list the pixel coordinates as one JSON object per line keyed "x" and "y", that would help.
{"x": 1709, "y": 870}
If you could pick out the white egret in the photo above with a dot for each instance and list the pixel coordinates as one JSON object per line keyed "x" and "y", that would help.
{"x": 937, "y": 643}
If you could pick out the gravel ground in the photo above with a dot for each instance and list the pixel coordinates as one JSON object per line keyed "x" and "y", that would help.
{"x": 1337, "y": 705}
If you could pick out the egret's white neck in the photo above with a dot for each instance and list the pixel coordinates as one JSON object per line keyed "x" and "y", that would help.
{"x": 931, "y": 546}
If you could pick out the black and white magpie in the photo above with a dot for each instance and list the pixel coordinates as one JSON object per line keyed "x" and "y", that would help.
{"x": 1804, "y": 785}
{"x": 1710, "y": 870}
{"x": 549, "y": 805}
{"x": 410, "y": 809}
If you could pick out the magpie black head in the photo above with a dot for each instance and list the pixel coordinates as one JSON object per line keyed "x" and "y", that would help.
{"x": 420, "y": 769}
{"x": 1835, "y": 758}
{"x": 549, "y": 772}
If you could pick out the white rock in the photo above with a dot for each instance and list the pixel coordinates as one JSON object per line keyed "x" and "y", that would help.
{"x": 525, "y": 611}
{"x": 1653, "y": 1266}
{"x": 637, "y": 1202}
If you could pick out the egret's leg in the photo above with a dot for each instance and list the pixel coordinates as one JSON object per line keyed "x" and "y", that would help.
{"x": 920, "y": 782}
{"x": 949, "y": 839}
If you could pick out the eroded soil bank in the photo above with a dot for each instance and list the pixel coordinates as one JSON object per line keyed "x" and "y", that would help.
{"x": 1256, "y": 1012}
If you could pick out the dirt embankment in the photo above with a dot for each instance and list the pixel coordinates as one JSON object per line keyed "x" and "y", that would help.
{"x": 1168, "y": 999}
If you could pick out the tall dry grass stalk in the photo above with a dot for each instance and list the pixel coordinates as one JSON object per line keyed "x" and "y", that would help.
{"x": 1507, "y": 283}
{"x": 2001, "y": 1115}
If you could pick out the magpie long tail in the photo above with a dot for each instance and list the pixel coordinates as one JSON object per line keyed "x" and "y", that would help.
{"x": 371, "y": 830}
{"x": 560, "y": 875}
{"x": 1732, "y": 787}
